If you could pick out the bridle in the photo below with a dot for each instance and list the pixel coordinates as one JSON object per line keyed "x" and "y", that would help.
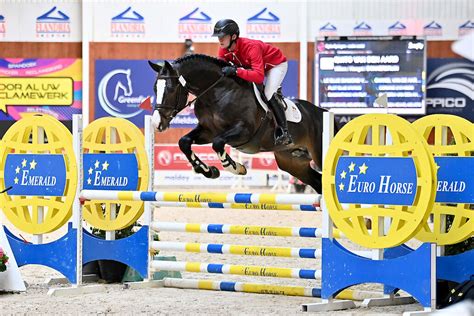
{"x": 183, "y": 85}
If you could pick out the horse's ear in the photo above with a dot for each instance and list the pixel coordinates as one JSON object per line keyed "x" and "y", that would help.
{"x": 168, "y": 66}
{"x": 155, "y": 67}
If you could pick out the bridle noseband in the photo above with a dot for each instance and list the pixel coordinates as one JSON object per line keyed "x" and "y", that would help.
{"x": 183, "y": 85}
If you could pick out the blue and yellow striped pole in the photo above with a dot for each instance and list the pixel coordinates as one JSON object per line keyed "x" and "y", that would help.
{"x": 309, "y": 232}
{"x": 201, "y": 267}
{"x": 263, "y": 251}
{"x": 261, "y": 288}
{"x": 204, "y": 197}
{"x": 242, "y": 206}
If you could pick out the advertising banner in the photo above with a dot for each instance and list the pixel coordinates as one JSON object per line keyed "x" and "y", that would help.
{"x": 432, "y": 29}
{"x": 41, "y": 21}
{"x": 450, "y": 87}
{"x": 51, "y": 86}
{"x": 121, "y": 86}
{"x": 172, "y": 167}
{"x": 165, "y": 21}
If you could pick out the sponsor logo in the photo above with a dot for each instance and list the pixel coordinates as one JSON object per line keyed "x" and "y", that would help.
{"x": 328, "y": 29}
{"x": 456, "y": 77}
{"x": 110, "y": 171}
{"x": 2, "y": 26}
{"x": 164, "y": 158}
{"x": 433, "y": 29}
{"x": 451, "y": 77}
{"x": 398, "y": 28}
{"x": 466, "y": 27}
{"x": 264, "y": 24}
{"x": 195, "y": 24}
{"x": 128, "y": 23}
{"x": 115, "y": 94}
{"x": 53, "y": 24}
{"x": 362, "y": 29}
{"x": 35, "y": 174}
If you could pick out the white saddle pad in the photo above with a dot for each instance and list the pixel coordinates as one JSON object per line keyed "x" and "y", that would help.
{"x": 292, "y": 112}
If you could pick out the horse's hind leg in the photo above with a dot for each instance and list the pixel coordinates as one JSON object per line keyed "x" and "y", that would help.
{"x": 300, "y": 168}
{"x": 218, "y": 144}
{"x": 185, "y": 143}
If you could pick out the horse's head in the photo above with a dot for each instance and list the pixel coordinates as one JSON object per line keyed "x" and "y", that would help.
{"x": 171, "y": 96}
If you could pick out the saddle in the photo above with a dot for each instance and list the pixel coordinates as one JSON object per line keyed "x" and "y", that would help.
{"x": 292, "y": 112}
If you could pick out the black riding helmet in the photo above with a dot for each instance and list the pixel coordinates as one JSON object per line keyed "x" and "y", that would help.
{"x": 226, "y": 27}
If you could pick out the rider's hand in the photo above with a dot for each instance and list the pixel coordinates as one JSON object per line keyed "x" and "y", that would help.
{"x": 229, "y": 71}
{"x": 156, "y": 119}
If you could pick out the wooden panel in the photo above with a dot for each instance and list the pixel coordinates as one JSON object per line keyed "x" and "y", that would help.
{"x": 40, "y": 50}
{"x": 441, "y": 49}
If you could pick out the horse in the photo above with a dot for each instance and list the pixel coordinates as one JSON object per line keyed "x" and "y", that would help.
{"x": 228, "y": 112}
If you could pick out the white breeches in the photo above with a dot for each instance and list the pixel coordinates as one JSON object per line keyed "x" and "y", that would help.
{"x": 274, "y": 79}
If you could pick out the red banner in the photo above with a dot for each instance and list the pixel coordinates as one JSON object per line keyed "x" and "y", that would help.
{"x": 170, "y": 157}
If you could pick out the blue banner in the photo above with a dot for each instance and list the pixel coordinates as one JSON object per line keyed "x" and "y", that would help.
{"x": 110, "y": 172}
{"x": 35, "y": 174}
{"x": 449, "y": 87}
{"x": 376, "y": 180}
{"x": 455, "y": 180}
{"x": 121, "y": 86}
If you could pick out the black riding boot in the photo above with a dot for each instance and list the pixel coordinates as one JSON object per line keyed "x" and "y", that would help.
{"x": 282, "y": 136}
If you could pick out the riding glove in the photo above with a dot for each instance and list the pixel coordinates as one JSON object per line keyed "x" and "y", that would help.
{"x": 229, "y": 71}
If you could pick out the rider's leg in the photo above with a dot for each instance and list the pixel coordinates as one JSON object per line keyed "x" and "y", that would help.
{"x": 197, "y": 136}
{"x": 275, "y": 77}
{"x": 218, "y": 144}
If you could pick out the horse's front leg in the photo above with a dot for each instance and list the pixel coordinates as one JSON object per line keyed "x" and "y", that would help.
{"x": 197, "y": 136}
{"x": 218, "y": 144}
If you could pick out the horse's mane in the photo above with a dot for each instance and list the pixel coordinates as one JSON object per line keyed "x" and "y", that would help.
{"x": 209, "y": 59}
{"x": 202, "y": 57}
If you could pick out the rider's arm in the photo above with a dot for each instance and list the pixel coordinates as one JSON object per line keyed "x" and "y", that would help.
{"x": 221, "y": 54}
{"x": 256, "y": 73}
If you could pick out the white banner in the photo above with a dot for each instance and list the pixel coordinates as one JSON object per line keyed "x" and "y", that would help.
{"x": 431, "y": 29}
{"x": 174, "y": 22}
{"x": 52, "y": 21}
{"x": 190, "y": 178}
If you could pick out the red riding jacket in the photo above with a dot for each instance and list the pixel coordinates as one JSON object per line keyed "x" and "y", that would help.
{"x": 254, "y": 56}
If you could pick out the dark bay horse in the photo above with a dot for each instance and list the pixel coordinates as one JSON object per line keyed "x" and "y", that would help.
{"x": 229, "y": 113}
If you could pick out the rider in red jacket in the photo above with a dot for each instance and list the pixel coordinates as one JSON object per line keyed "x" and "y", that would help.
{"x": 253, "y": 60}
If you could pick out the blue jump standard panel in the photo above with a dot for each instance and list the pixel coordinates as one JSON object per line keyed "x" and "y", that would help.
{"x": 59, "y": 254}
{"x": 342, "y": 269}
{"x": 457, "y": 268}
{"x": 132, "y": 251}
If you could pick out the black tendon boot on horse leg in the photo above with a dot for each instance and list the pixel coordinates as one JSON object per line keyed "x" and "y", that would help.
{"x": 282, "y": 136}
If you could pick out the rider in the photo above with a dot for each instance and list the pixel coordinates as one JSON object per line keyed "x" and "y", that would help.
{"x": 253, "y": 59}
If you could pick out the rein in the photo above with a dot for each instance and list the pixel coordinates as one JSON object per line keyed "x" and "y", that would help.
{"x": 183, "y": 83}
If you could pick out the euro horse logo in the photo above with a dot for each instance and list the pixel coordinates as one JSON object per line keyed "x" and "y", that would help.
{"x": 115, "y": 94}
{"x": 195, "y": 24}
{"x": 128, "y": 23}
{"x": 53, "y": 24}
{"x": 264, "y": 24}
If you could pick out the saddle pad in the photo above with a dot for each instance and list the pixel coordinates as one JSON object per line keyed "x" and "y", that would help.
{"x": 292, "y": 112}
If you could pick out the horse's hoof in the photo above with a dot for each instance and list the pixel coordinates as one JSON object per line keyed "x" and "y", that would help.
{"x": 214, "y": 172}
{"x": 242, "y": 170}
